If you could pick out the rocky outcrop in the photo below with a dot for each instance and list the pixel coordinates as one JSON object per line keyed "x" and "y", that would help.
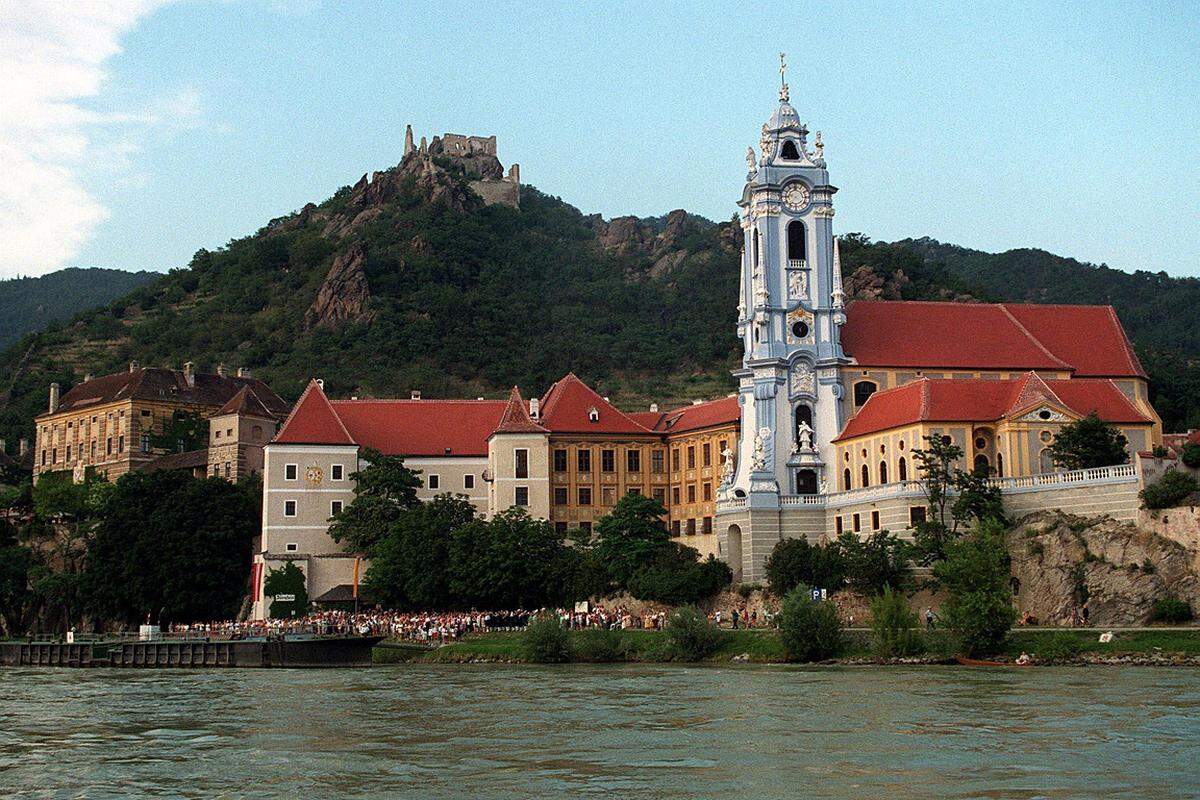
{"x": 344, "y": 296}
{"x": 1059, "y": 560}
{"x": 660, "y": 240}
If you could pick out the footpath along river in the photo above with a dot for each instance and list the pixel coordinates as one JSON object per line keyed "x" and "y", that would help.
{"x": 636, "y": 731}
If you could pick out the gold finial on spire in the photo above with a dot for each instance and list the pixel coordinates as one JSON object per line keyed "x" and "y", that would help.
{"x": 783, "y": 87}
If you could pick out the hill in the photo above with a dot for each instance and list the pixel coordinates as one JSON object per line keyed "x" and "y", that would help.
{"x": 30, "y": 304}
{"x": 408, "y": 280}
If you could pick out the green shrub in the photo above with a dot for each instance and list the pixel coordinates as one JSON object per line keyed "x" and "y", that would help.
{"x": 895, "y": 629}
{"x": 1059, "y": 646}
{"x": 600, "y": 645}
{"x": 978, "y": 608}
{"x": 809, "y": 629}
{"x": 744, "y": 590}
{"x": 1190, "y": 455}
{"x": 690, "y": 636}
{"x": 546, "y": 641}
{"x": 675, "y": 577}
{"x": 1171, "y": 609}
{"x": 1170, "y": 490}
{"x": 795, "y": 561}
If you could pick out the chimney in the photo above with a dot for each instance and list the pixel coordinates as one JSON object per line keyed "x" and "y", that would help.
{"x": 88, "y": 377}
{"x": 134, "y": 366}
{"x": 244, "y": 372}
{"x": 534, "y": 407}
{"x": 23, "y": 447}
{"x": 321, "y": 384}
{"x": 189, "y": 373}
{"x": 54, "y": 387}
{"x": 221, "y": 371}
{"x": 415, "y": 394}
{"x": 654, "y": 407}
{"x": 697, "y": 402}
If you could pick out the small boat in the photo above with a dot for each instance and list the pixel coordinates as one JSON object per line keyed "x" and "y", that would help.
{"x": 977, "y": 662}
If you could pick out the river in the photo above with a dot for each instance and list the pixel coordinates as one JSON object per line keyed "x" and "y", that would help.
{"x": 634, "y": 731}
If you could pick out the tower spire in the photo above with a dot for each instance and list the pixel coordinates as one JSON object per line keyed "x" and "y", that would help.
{"x": 783, "y": 87}
{"x": 837, "y": 295}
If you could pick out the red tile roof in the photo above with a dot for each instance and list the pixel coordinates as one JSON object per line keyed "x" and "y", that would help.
{"x": 701, "y": 415}
{"x": 153, "y": 383}
{"x": 515, "y": 418}
{"x": 246, "y": 403}
{"x": 313, "y": 421}
{"x": 1087, "y": 340}
{"x": 566, "y": 407}
{"x": 422, "y": 427}
{"x": 977, "y": 400}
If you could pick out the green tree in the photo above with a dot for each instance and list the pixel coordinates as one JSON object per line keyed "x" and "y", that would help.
{"x": 170, "y": 547}
{"x": 977, "y": 499}
{"x": 809, "y": 629}
{"x": 1171, "y": 490}
{"x": 1089, "y": 442}
{"x": 287, "y": 580}
{"x": 955, "y": 497}
{"x": 875, "y": 562}
{"x": 676, "y": 576}
{"x": 632, "y": 535}
{"x": 976, "y": 575}
{"x": 895, "y": 630}
{"x": 17, "y": 598}
{"x": 1190, "y": 455}
{"x": 384, "y": 489}
{"x": 509, "y": 561}
{"x": 794, "y": 561}
{"x": 410, "y": 564}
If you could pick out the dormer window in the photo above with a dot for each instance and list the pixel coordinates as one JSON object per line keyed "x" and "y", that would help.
{"x": 789, "y": 151}
{"x": 593, "y": 415}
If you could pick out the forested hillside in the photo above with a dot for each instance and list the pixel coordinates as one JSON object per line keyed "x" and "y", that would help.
{"x": 30, "y": 304}
{"x": 408, "y": 281}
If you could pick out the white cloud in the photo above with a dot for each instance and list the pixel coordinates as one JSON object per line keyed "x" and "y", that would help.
{"x": 52, "y": 62}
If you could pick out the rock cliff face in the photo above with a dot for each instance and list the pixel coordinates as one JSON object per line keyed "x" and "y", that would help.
{"x": 344, "y": 296}
{"x": 660, "y": 242}
{"x": 1060, "y": 559}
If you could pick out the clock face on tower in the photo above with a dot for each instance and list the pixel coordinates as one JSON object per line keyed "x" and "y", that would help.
{"x": 795, "y": 196}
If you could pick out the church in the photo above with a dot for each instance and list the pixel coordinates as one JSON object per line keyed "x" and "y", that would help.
{"x": 832, "y": 397}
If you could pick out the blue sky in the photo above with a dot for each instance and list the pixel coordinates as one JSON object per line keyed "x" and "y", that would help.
{"x": 136, "y": 133}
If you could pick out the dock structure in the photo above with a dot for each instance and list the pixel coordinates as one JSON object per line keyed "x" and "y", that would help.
{"x": 194, "y": 653}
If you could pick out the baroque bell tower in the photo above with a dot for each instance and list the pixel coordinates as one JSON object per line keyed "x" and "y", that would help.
{"x": 790, "y": 311}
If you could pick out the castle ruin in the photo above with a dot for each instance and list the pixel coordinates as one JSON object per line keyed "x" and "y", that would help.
{"x": 477, "y": 156}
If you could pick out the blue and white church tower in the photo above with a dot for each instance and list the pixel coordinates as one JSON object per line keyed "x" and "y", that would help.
{"x": 790, "y": 311}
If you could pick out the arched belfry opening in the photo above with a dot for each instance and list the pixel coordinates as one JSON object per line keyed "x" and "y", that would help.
{"x": 789, "y": 151}
{"x": 797, "y": 239}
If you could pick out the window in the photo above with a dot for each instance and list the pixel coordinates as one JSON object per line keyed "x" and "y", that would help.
{"x": 43, "y": 458}
{"x": 675, "y": 495}
{"x": 585, "y": 495}
{"x": 216, "y": 434}
{"x": 633, "y": 490}
{"x": 675, "y": 528}
{"x": 691, "y": 492}
{"x": 560, "y": 495}
{"x": 120, "y": 444}
{"x": 796, "y": 241}
{"x": 289, "y": 472}
{"x": 68, "y": 452}
{"x": 291, "y": 547}
{"x": 999, "y": 465}
{"x": 521, "y": 455}
{"x": 657, "y": 461}
{"x": 706, "y": 526}
{"x": 336, "y": 472}
{"x": 837, "y": 525}
{"x": 707, "y": 492}
{"x": 660, "y": 495}
{"x": 721, "y": 445}
{"x": 608, "y": 460}
{"x": 607, "y": 496}
{"x": 857, "y": 525}
{"x": 883, "y": 472}
{"x": 335, "y": 508}
{"x": 585, "y": 530}
{"x": 706, "y": 454}
{"x": 256, "y": 433}
{"x": 846, "y": 480}
{"x": 522, "y": 496}
{"x": 560, "y": 528}
{"x": 560, "y": 460}
{"x": 916, "y": 515}
{"x": 92, "y": 448}
{"x": 789, "y": 151}
{"x": 806, "y": 481}
{"x": 903, "y": 469}
{"x": 593, "y": 414}
{"x": 54, "y": 455}
{"x": 633, "y": 460}
{"x": 691, "y": 527}
{"x": 469, "y": 481}
{"x": 289, "y": 508}
{"x": 228, "y": 469}
{"x": 800, "y": 329}
{"x": 981, "y": 464}
{"x": 433, "y": 481}
{"x": 584, "y": 460}
{"x": 863, "y": 391}
{"x": 675, "y": 460}
{"x": 866, "y": 476}
{"x": 229, "y": 433}
{"x": 874, "y": 520}
{"x": 691, "y": 453}
{"x": 145, "y": 443}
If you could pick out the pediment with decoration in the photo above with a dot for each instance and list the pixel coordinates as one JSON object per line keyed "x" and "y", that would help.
{"x": 1044, "y": 412}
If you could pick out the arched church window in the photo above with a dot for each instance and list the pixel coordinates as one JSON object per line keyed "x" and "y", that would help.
{"x": 806, "y": 481}
{"x": 757, "y": 239}
{"x": 846, "y": 480}
{"x": 866, "y": 476}
{"x": 982, "y": 465}
{"x": 789, "y": 150}
{"x": 903, "y": 469}
{"x": 883, "y": 472}
{"x": 999, "y": 465}
{"x": 797, "y": 241}
{"x": 863, "y": 391}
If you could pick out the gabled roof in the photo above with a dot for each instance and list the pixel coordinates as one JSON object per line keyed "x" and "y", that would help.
{"x": 188, "y": 460}
{"x": 1086, "y": 340}
{"x": 246, "y": 404}
{"x": 515, "y": 418}
{"x": 978, "y": 400}
{"x": 566, "y": 408}
{"x": 701, "y": 415}
{"x": 313, "y": 421}
{"x": 153, "y": 383}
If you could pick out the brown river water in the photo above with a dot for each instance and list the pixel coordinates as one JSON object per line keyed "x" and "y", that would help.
{"x": 637, "y": 731}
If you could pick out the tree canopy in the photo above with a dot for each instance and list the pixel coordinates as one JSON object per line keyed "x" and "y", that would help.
{"x": 1089, "y": 442}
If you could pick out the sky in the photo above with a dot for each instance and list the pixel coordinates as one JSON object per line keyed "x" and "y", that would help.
{"x": 134, "y": 133}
